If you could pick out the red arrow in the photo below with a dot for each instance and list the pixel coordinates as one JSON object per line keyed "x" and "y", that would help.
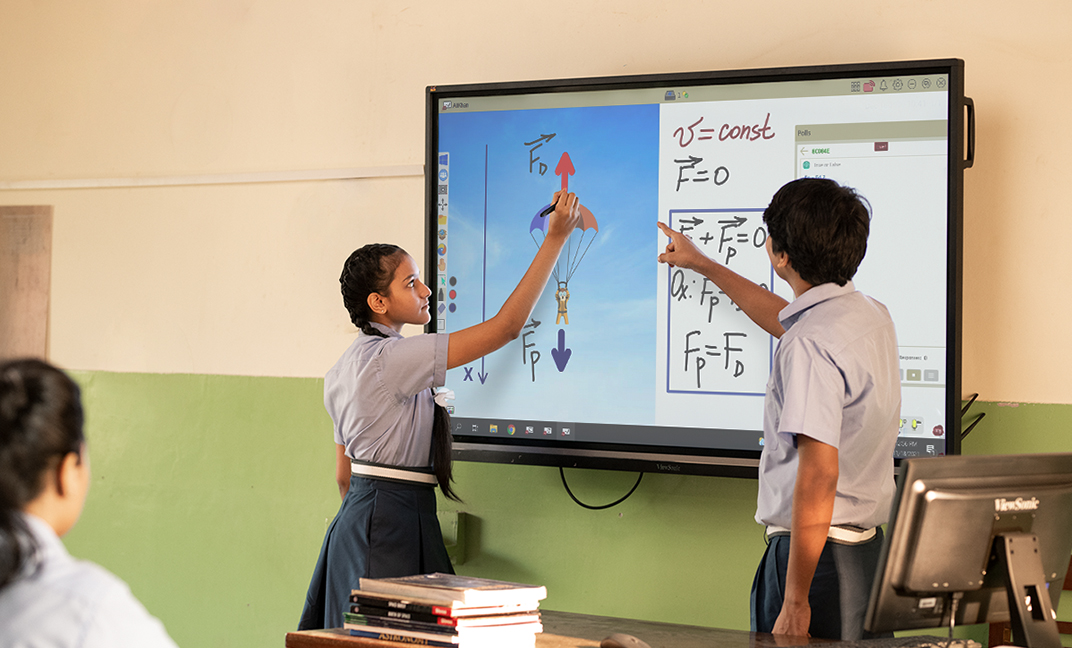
{"x": 565, "y": 169}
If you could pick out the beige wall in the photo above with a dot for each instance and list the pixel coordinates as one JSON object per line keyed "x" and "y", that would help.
{"x": 240, "y": 278}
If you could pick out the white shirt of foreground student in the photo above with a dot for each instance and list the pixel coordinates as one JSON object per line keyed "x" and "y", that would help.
{"x": 61, "y": 602}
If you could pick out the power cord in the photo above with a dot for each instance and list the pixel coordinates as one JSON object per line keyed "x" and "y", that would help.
{"x": 562, "y": 473}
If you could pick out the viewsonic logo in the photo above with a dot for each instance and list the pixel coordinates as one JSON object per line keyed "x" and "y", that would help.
{"x": 1019, "y": 504}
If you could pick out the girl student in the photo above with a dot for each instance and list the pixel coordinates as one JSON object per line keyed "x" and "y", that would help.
{"x": 392, "y": 438}
{"x": 47, "y": 598}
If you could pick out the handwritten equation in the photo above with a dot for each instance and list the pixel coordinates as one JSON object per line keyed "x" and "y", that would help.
{"x": 703, "y": 137}
{"x": 712, "y": 346}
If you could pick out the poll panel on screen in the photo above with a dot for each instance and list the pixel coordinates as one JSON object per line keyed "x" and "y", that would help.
{"x": 627, "y": 363}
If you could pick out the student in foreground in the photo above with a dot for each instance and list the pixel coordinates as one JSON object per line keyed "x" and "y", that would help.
{"x": 47, "y": 598}
{"x": 392, "y": 438}
{"x": 831, "y": 412}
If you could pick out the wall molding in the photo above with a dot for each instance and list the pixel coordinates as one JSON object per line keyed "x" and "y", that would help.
{"x": 311, "y": 175}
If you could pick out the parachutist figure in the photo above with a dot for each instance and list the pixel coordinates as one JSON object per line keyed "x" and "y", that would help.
{"x": 562, "y": 295}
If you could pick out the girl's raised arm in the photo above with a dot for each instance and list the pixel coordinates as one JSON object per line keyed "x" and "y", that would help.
{"x": 481, "y": 339}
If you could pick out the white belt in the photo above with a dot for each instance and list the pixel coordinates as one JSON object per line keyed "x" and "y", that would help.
{"x": 844, "y": 535}
{"x": 393, "y": 473}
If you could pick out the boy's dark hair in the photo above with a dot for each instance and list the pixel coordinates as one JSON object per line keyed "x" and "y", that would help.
{"x": 821, "y": 226}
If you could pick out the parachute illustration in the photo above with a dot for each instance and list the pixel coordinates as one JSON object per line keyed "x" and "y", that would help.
{"x": 576, "y": 245}
{"x": 576, "y": 248}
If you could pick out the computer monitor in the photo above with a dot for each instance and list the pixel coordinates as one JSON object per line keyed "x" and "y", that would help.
{"x": 977, "y": 539}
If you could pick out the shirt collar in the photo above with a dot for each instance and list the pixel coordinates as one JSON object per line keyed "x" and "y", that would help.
{"x": 48, "y": 543}
{"x": 813, "y": 296}
{"x": 386, "y": 329}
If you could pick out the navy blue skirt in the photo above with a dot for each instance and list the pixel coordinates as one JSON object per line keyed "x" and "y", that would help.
{"x": 383, "y": 530}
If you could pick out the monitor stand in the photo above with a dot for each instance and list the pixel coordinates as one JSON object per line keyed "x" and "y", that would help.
{"x": 1017, "y": 560}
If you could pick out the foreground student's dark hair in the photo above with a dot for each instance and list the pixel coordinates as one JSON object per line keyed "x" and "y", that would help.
{"x": 40, "y": 423}
{"x": 821, "y": 226}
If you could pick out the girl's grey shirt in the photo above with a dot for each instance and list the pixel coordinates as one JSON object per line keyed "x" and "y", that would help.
{"x": 379, "y": 396}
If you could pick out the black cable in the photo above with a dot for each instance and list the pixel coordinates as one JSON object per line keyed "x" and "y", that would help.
{"x": 953, "y": 616}
{"x": 964, "y": 410}
{"x": 973, "y": 424}
{"x": 967, "y": 406}
{"x": 562, "y": 473}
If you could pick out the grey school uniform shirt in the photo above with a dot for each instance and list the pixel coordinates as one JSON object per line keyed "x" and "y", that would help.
{"x": 379, "y": 396}
{"x": 836, "y": 379}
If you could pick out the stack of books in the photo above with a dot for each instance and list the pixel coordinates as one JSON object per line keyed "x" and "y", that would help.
{"x": 446, "y": 610}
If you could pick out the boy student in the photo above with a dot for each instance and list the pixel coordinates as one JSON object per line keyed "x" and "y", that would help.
{"x": 830, "y": 413}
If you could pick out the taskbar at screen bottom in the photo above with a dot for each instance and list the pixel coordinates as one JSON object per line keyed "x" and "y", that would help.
{"x": 908, "y": 447}
{"x": 650, "y": 435}
{"x": 623, "y": 434}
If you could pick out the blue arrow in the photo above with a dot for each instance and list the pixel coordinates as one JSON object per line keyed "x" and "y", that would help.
{"x": 561, "y": 354}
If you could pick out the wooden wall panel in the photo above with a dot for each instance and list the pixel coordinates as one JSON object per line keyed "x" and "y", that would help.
{"x": 25, "y": 270}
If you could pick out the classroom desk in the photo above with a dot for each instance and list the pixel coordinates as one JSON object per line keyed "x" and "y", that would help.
{"x": 569, "y": 630}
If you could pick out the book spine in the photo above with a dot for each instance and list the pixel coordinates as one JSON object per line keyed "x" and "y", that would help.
{"x": 448, "y": 596}
{"x": 406, "y": 606}
{"x": 398, "y": 638}
{"x": 398, "y": 624}
{"x": 402, "y": 615}
{"x": 403, "y": 590}
{"x": 449, "y": 588}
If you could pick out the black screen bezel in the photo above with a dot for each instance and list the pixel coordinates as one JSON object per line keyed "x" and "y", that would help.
{"x": 684, "y": 460}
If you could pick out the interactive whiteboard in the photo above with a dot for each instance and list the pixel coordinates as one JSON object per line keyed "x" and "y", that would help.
{"x": 629, "y": 360}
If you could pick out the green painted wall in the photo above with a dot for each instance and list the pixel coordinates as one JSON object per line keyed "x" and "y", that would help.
{"x": 211, "y": 495}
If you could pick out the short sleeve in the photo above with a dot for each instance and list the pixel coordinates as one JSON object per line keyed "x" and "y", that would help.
{"x": 813, "y": 393}
{"x": 408, "y": 366}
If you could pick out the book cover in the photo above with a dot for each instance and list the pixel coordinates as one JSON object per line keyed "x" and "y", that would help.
{"x": 448, "y": 588}
{"x": 454, "y": 609}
